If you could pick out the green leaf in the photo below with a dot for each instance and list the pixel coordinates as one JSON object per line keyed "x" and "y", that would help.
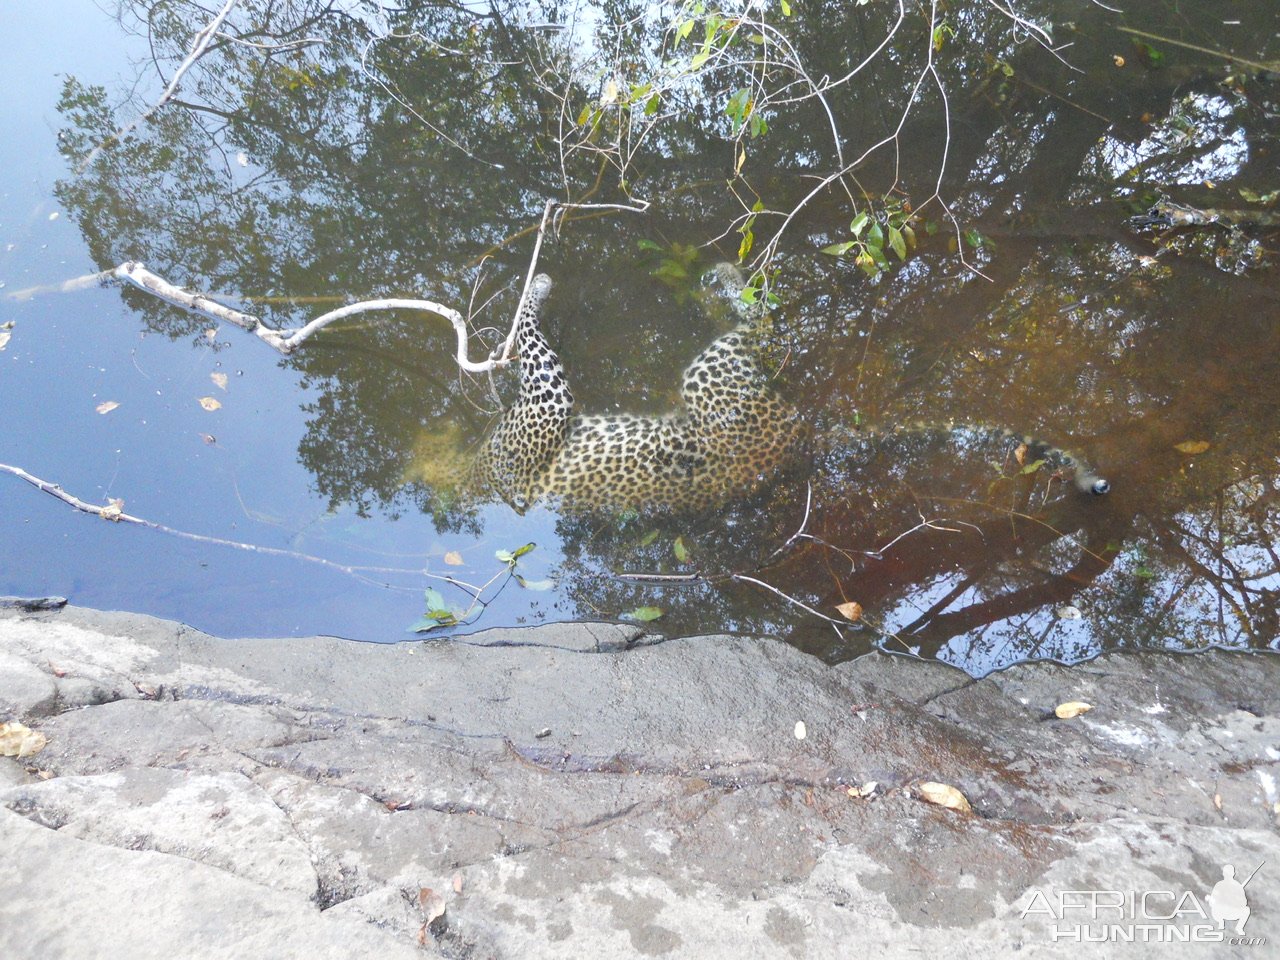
{"x": 748, "y": 238}
{"x": 651, "y": 107}
{"x": 875, "y": 236}
{"x": 680, "y": 550}
{"x": 643, "y": 614}
{"x": 585, "y": 115}
{"x": 434, "y": 599}
{"x": 1032, "y": 467}
{"x": 521, "y": 551}
{"x": 683, "y": 30}
{"x": 649, "y": 245}
{"x": 786, "y": 8}
{"x": 898, "y": 242}
{"x": 648, "y": 538}
{"x": 425, "y": 624}
{"x": 859, "y": 223}
{"x": 839, "y": 249}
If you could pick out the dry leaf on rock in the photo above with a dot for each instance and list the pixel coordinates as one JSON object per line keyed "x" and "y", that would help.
{"x": 17, "y": 740}
{"x": 864, "y": 791}
{"x": 944, "y": 795}
{"x": 209, "y": 403}
{"x": 1072, "y": 708}
{"x": 432, "y": 904}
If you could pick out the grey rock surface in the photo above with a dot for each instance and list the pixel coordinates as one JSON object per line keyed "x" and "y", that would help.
{"x": 582, "y": 791}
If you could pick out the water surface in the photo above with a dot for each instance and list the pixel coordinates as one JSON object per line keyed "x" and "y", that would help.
{"x": 287, "y": 181}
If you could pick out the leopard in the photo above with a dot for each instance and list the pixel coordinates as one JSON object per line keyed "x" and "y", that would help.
{"x": 731, "y": 433}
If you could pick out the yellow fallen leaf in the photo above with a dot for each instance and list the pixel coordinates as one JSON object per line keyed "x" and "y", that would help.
{"x": 17, "y": 740}
{"x": 106, "y": 406}
{"x": 1119, "y": 60}
{"x": 209, "y": 403}
{"x": 453, "y": 558}
{"x": 112, "y": 510}
{"x": 1021, "y": 454}
{"x": 1192, "y": 447}
{"x": 1073, "y": 708}
{"x": 944, "y": 795}
{"x": 219, "y": 380}
{"x": 851, "y": 610}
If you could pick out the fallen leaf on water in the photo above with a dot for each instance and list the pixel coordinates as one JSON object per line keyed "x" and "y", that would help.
{"x": 1192, "y": 447}
{"x": 1073, "y": 708}
{"x": 851, "y": 610}
{"x": 106, "y": 406}
{"x": 17, "y": 740}
{"x": 4, "y": 333}
{"x": 211, "y": 333}
{"x": 944, "y": 795}
{"x": 209, "y": 403}
{"x": 112, "y": 510}
{"x": 219, "y": 380}
{"x": 453, "y": 558}
{"x": 864, "y": 791}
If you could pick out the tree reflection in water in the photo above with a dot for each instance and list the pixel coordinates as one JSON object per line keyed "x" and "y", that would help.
{"x": 409, "y": 152}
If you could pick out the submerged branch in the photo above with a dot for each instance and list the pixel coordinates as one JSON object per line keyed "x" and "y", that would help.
{"x": 112, "y": 511}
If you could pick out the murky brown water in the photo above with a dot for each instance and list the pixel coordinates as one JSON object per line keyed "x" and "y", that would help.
{"x": 291, "y": 182}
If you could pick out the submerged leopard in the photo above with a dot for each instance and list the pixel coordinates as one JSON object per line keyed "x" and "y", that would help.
{"x": 731, "y": 433}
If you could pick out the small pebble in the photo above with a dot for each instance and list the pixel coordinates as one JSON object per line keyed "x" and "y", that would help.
{"x": 801, "y": 730}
